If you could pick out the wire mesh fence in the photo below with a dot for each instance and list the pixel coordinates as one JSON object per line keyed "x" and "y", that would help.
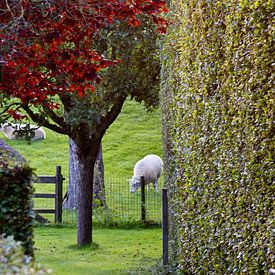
{"x": 121, "y": 205}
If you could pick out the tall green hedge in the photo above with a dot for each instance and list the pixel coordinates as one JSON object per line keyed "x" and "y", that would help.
{"x": 218, "y": 107}
{"x": 16, "y": 217}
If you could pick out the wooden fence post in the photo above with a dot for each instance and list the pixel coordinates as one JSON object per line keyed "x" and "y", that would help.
{"x": 143, "y": 203}
{"x": 165, "y": 226}
{"x": 58, "y": 195}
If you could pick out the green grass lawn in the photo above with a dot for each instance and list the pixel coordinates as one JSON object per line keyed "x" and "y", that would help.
{"x": 115, "y": 251}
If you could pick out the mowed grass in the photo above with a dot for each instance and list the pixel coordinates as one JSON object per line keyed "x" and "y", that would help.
{"x": 114, "y": 251}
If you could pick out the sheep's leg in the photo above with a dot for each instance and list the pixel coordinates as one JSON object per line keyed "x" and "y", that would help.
{"x": 156, "y": 185}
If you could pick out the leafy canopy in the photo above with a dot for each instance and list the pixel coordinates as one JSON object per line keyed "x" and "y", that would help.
{"x": 65, "y": 48}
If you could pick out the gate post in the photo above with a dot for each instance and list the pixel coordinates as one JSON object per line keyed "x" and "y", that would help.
{"x": 165, "y": 226}
{"x": 58, "y": 194}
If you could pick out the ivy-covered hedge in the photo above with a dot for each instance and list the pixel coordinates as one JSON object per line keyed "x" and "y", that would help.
{"x": 218, "y": 107}
{"x": 16, "y": 217}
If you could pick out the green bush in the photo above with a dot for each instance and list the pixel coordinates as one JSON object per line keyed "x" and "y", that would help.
{"x": 14, "y": 261}
{"x": 218, "y": 107}
{"x": 16, "y": 217}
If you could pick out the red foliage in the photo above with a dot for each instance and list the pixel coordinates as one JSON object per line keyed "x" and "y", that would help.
{"x": 16, "y": 115}
{"x": 51, "y": 46}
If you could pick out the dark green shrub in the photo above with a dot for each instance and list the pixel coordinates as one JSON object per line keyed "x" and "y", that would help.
{"x": 16, "y": 217}
{"x": 218, "y": 103}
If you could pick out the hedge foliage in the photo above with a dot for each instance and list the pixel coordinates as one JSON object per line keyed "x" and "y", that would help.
{"x": 14, "y": 261}
{"x": 218, "y": 107}
{"x": 16, "y": 217}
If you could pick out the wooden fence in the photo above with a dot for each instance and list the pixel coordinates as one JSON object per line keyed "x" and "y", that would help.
{"x": 57, "y": 179}
{"x": 143, "y": 205}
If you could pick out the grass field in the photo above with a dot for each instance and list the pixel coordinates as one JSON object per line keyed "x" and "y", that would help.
{"x": 114, "y": 252}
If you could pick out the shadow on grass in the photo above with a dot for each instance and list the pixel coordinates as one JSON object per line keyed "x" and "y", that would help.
{"x": 93, "y": 246}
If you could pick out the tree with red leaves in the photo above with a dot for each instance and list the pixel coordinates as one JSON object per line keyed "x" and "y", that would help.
{"x": 70, "y": 65}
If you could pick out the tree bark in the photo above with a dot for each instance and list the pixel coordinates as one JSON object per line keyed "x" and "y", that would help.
{"x": 86, "y": 162}
{"x": 85, "y": 201}
{"x": 70, "y": 199}
{"x": 99, "y": 186}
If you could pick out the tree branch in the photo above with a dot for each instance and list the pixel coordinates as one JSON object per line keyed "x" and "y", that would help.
{"x": 66, "y": 101}
{"x": 57, "y": 119}
{"x": 42, "y": 121}
{"x": 111, "y": 115}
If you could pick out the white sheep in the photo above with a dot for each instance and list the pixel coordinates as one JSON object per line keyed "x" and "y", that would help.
{"x": 10, "y": 131}
{"x": 150, "y": 167}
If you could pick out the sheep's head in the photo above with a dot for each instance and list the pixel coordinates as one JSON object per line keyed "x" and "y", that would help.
{"x": 134, "y": 185}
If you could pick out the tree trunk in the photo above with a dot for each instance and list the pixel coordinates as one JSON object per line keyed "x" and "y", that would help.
{"x": 70, "y": 199}
{"x": 86, "y": 162}
{"x": 99, "y": 187}
{"x": 85, "y": 198}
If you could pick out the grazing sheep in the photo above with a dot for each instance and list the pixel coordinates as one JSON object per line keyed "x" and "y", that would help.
{"x": 11, "y": 131}
{"x": 150, "y": 167}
